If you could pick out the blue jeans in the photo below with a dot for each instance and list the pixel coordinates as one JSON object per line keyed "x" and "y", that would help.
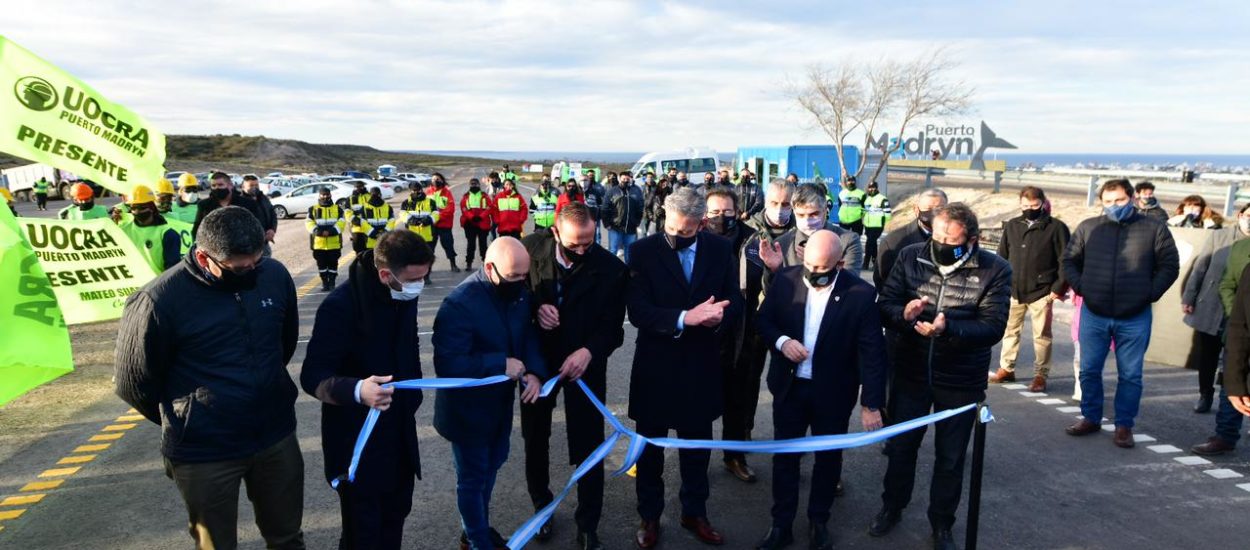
{"x": 1131, "y": 337}
{"x": 1228, "y": 420}
{"x": 476, "y": 467}
{"x": 620, "y": 240}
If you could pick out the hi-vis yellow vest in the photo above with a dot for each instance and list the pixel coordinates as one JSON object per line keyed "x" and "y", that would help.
{"x": 376, "y": 221}
{"x": 421, "y": 211}
{"x": 545, "y": 211}
{"x": 321, "y": 218}
{"x": 509, "y": 204}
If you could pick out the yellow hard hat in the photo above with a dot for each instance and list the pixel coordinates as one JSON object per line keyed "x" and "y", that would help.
{"x": 187, "y": 180}
{"x": 164, "y": 187}
{"x": 8, "y": 197}
{"x": 140, "y": 195}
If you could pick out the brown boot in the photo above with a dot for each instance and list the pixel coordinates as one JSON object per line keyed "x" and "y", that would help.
{"x": 1038, "y": 385}
{"x": 1083, "y": 427}
{"x": 1124, "y": 437}
{"x": 1214, "y": 446}
{"x": 1002, "y": 375}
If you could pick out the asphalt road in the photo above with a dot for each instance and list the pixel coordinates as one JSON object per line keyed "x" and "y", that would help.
{"x": 1042, "y": 488}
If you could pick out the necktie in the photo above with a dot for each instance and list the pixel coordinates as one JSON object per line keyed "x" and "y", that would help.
{"x": 687, "y": 262}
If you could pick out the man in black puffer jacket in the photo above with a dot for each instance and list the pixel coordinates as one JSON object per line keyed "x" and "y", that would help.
{"x": 947, "y": 301}
{"x": 1120, "y": 263}
{"x": 202, "y": 351}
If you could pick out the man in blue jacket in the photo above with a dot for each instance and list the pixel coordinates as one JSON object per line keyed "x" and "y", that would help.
{"x": 485, "y": 328}
{"x": 365, "y": 336}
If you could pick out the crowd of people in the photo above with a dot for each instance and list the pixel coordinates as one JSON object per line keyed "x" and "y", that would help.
{"x": 720, "y": 279}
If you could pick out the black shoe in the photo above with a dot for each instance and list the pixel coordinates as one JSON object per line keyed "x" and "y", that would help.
{"x": 454, "y": 268}
{"x": 588, "y": 540}
{"x": 820, "y": 539}
{"x": 776, "y": 538}
{"x": 544, "y": 532}
{"x": 884, "y": 522}
{"x": 498, "y": 539}
{"x": 943, "y": 540}
{"x": 1203, "y": 405}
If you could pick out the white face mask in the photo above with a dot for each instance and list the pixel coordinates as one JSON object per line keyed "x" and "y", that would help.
{"x": 408, "y": 291}
{"x": 780, "y": 216}
{"x": 812, "y": 225}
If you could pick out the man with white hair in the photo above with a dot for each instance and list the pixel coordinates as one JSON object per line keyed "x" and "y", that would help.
{"x": 683, "y": 293}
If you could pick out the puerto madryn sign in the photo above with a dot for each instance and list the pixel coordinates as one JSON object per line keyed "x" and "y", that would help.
{"x": 948, "y": 141}
{"x": 48, "y": 116}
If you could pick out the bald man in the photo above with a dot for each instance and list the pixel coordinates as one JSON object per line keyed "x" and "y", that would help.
{"x": 484, "y": 328}
{"x": 823, "y": 353}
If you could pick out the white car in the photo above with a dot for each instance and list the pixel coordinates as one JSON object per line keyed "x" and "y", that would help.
{"x": 335, "y": 178}
{"x": 416, "y": 177}
{"x": 300, "y": 199}
{"x": 388, "y": 189}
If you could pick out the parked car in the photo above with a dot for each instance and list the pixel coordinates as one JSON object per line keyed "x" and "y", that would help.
{"x": 300, "y": 199}
{"x": 284, "y": 185}
{"x": 388, "y": 189}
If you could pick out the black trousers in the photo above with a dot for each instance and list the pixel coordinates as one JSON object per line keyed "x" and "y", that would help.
{"x": 910, "y": 400}
{"x": 41, "y": 201}
{"x": 801, "y": 409}
{"x": 1204, "y": 357}
{"x": 327, "y": 261}
{"x": 872, "y": 234}
{"x": 742, "y": 389}
{"x": 694, "y": 483}
{"x": 447, "y": 240}
{"x": 374, "y": 519}
{"x": 477, "y": 240}
{"x": 585, "y": 433}
{"x": 857, "y": 227}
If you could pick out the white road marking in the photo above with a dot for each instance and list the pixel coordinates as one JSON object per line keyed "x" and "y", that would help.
{"x": 1069, "y": 409}
{"x": 1108, "y": 427}
{"x": 1015, "y": 386}
{"x": 1192, "y": 460}
{"x": 1142, "y": 438}
{"x": 1244, "y": 486}
{"x": 1032, "y": 394}
{"x": 1222, "y": 473}
{"x": 1052, "y": 401}
{"x": 1164, "y": 449}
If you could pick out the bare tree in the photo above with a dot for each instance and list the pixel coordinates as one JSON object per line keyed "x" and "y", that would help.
{"x": 851, "y": 96}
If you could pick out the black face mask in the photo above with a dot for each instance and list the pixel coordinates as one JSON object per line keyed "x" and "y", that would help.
{"x": 872, "y": 192}
{"x": 722, "y": 225}
{"x": 821, "y": 279}
{"x": 508, "y": 290}
{"x": 440, "y": 184}
{"x": 926, "y": 218}
{"x": 325, "y": 201}
{"x": 419, "y": 196}
{"x": 1032, "y": 214}
{"x": 144, "y": 216}
{"x": 544, "y": 188}
{"x": 376, "y": 200}
{"x": 570, "y": 255}
{"x": 219, "y": 194}
{"x": 680, "y": 243}
{"x": 948, "y": 254}
{"x": 86, "y": 205}
{"x": 475, "y": 188}
{"x": 231, "y": 281}
{"x": 850, "y": 186}
{"x": 624, "y": 183}
{"x": 572, "y": 192}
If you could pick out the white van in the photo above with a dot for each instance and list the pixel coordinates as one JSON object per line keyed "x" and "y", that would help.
{"x": 694, "y": 161}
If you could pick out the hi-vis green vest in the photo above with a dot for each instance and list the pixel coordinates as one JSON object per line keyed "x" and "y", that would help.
{"x": 877, "y": 211}
{"x": 182, "y": 213}
{"x": 184, "y": 233}
{"x": 474, "y": 200}
{"x": 545, "y": 210}
{"x": 419, "y": 218}
{"x": 73, "y": 212}
{"x": 508, "y": 204}
{"x": 41, "y": 187}
{"x": 322, "y": 218}
{"x": 150, "y": 241}
{"x": 850, "y": 205}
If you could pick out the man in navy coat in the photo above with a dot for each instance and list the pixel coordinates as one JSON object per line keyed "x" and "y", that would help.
{"x": 365, "y": 336}
{"x": 683, "y": 290}
{"x": 825, "y": 330}
{"x": 485, "y": 328}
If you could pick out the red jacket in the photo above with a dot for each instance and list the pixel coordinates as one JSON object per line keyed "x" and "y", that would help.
{"x": 447, "y": 206}
{"x": 479, "y": 215}
{"x": 511, "y": 211}
{"x": 564, "y": 199}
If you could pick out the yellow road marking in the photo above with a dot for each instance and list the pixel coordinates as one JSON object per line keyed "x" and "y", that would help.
{"x": 22, "y": 499}
{"x": 131, "y": 411}
{"x": 91, "y": 448}
{"x": 130, "y": 418}
{"x": 11, "y": 514}
{"x": 41, "y": 485}
{"x": 58, "y": 472}
{"x": 119, "y": 427}
{"x": 106, "y": 437}
{"x": 76, "y": 459}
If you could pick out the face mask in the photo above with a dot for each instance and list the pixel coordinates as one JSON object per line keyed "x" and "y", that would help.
{"x": 419, "y": 195}
{"x": 1191, "y": 214}
{"x": 572, "y": 192}
{"x": 1119, "y": 213}
{"x": 821, "y": 279}
{"x": 624, "y": 183}
{"x": 722, "y": 225}
{"x": 679, "y": 243}
{"x": 86, "y": 205}
{"x": 544, "y": 188}
{"x": 778, "y": 217}
{"x": 164, "y": 207}
{"x": 1032, "y": 213}
{"x": 683, "y": 181}
{"x": 376, "y": 201}
{"x": 508, "y": 290}
{"x": 231, "y": 281}
{"x": 1151, "y": 202}
{"x": 926, "y": 218}
{"x": 144, "y": 216}
{"x": 812, "y": 225}
{"x": 948, "y": 254}
{"x": 475, "y": 188}
{"x": 325, "y": 201}
{"x": 219, "y": 194}
{"x": 407, "y": 292}
{"x": 191, "y": 197}
{"x": 850, "y": 186}
{"x": 440, "y": 184}
{"x": 1244, "y": 224}
{"x": 872, "y": 192}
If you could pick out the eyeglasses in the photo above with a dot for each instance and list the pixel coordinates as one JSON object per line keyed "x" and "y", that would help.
{"x": 237, "y": 271}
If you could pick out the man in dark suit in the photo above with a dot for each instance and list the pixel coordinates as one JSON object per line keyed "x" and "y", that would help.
{"x": 825, "y": 329}
{"x": 223, "y": 194}
{"x": 916, "y": 232}
{"x": 485, "y": 328}
{"x": 683, "y": 291}
{"x": 579, "y": 289}
{"x": 366, "y": 335}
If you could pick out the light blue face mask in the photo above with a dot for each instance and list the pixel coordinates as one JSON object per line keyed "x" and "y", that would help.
{"x": 408, "y": 291}
{"x": 1119, "y": 213}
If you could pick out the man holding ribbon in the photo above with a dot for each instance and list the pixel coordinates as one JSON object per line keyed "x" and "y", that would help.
{"x": 365, "y": 336}
{"x": 485, "y": 328}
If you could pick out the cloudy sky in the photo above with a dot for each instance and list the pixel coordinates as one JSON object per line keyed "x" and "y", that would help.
{"x": 1050, "y": 76}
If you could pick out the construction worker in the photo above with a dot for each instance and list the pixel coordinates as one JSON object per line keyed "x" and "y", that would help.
{"x": 326, "y": 222}
{"x": 851, "y": 207}
{"x": 164, "y": 196}
{"x": 8, "y": 199}
{"x": 355, "y": 216}
{"x": 376, "y": 218}
{"x": 510, "y": 210}
{"x": 41, "y": 194}
{"x": 419, "y": 213}
{"x": 84, "y": 206}
{"x": 185, "y": 207}
{"x": 877, "y": 213}
{"x": 475, "y": 218}
{"x": 446, "y": 204}
{"x": 157, "y": 240}
{"x": 543, "y": 206}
